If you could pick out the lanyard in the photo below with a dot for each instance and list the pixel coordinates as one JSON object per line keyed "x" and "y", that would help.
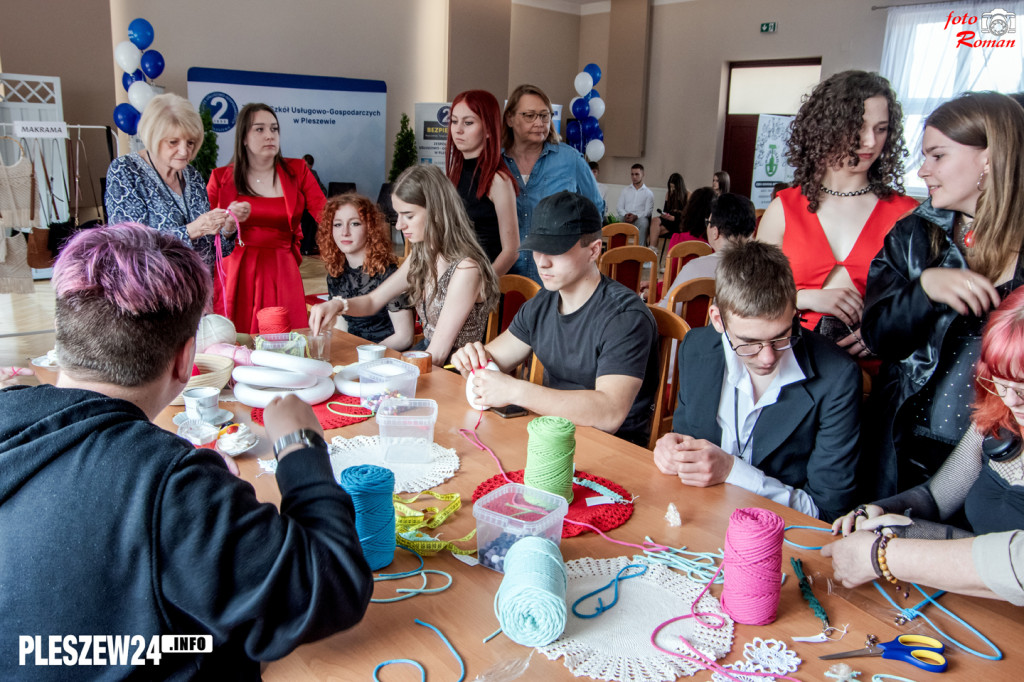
{"x": 174, "y": 196}
{"x": 741, "y": 444}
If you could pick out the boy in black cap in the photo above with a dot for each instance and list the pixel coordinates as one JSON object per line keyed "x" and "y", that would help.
{"x": 595, "y": 338}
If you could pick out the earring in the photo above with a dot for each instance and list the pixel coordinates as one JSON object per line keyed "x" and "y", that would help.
{"x": 981, "y": 180}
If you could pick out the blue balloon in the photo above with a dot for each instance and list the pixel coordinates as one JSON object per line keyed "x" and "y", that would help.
{"x": 573, "y": 133}
{"x": 126, "y": 117}
{"x": 128, "y": 78}
{"x": 590, "y": 125}
{"x": 594, "y": 70}
{"x": 580, "y": 108}
{"x": 597, "y": 135}
{"x": 591, "y": 95}
{"x": 152, "y": 63}
{"x": 140, "y": 32}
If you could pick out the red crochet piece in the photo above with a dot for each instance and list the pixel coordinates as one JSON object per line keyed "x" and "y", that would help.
{"x": 602, "y": 516}
{"x": 328, "y": 419}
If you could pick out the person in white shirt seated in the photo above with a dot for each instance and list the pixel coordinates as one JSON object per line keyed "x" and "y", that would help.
{"x": 595, "y": 168}
{"x": 636, "y": 203}
{"x": 764, "y": 404}
{"x": 732, "y": 222}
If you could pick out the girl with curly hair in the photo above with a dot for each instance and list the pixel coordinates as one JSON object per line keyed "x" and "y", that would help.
{"x": 447, "y": 275}
{"x": 355, "y": 248}
{"x": 846, "y": 146}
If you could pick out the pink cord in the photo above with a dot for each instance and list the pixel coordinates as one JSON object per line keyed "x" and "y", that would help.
{"x": 221, "y": 277}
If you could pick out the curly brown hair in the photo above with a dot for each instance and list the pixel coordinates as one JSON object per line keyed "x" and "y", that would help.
{"x": 826, "y": 133}
{"x": 378, "y": 247}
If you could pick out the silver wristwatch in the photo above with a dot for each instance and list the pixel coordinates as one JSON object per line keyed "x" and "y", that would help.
{"x": 308, "y": 437}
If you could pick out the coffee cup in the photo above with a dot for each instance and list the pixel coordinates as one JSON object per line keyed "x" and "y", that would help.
{"x": 202, "y": 403}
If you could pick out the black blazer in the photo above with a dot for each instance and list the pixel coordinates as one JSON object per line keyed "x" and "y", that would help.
{"x": 807, "y": 439}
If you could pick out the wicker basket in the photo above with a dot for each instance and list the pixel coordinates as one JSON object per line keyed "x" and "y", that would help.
{"x": 215, "y": 370}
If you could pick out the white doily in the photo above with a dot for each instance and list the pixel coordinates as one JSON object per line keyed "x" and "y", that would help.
{"x": 617, "y": 644}
{"x": 409, "y": 477}
{"x": 742, "y": 666}
{"x": 772, "y": 655}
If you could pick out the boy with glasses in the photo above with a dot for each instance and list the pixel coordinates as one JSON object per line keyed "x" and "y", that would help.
{"x": 764, "y": 404}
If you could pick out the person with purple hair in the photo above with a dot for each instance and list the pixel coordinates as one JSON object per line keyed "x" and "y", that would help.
{"x": 143, "y": 534}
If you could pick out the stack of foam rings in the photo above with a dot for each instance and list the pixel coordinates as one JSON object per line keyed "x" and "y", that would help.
{"x": 276, "y": 374}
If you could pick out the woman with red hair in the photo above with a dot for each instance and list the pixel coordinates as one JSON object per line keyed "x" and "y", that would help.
{"x": 358, "y": 257}
{"x": 984, "y": 476}
{"x": 474, "y": 165}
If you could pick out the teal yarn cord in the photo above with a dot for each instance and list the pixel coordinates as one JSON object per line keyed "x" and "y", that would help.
{"x": 530, "y": 603}
{"x": 417, "y": 664}
{"x": 371, "y": 488}
{"x": 549, "y": 455}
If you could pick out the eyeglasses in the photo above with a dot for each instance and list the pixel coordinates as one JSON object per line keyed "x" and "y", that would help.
{"x": 707, "y": 222}
{"x": 745, "y": 350}
{"x": 531, "y": 116}
{"x": 1000, "y": 389}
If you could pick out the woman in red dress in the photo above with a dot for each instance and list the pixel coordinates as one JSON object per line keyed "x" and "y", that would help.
{"x": 263, "y": 270}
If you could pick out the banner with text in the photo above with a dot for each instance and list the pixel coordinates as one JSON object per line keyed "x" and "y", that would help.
{"x": 770, "y": 165}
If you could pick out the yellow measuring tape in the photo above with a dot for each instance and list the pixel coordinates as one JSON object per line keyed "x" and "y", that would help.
{"x": 409, "y": 521}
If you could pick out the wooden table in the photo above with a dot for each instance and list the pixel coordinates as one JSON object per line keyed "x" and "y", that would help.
{"x": 465, "y": 612}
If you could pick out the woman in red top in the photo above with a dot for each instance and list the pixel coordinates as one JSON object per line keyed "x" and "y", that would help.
{"x": 847, "y": 147}
{"x": 263, "y": 270}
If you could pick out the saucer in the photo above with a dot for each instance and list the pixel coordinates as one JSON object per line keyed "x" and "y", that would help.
{"x": 220, "y": 418}
{"x": 235, "y": 454}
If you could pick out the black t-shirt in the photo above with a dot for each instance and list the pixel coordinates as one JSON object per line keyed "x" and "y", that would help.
{"x": 612, "y": 333}
{"x": 354, "y": 282}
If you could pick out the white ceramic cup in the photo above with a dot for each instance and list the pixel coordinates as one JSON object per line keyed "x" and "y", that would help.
{"x": 370, "y": 352}
{"x": 202, "y": 403}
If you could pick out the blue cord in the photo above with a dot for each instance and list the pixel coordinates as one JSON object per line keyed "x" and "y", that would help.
{"x": 423, "y": 673}
{"x": 601, "y": 608}
{"x": 793, "y": 544}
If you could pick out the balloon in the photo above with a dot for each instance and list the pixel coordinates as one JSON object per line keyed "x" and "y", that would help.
{"x": 127, "y": 56}
{"x": 597, "y": 107}
{"x": 127, "y": 118}
{"x": 595, "y": 150}
{"x": 591, "y": 95}
{"x": 140, "y": 32}
{"x": 139, "y": 95}
{"x": 583, "y": 83}
{"x": 573, "y": 133}
{"x": 152, "y": 63}
{"x": 128, "y": 78}
{"x": 590, "y": 125}
{"x": 580, "y": 108}
{"x": 595, "y": 72}
{"x": 597, "y": 135}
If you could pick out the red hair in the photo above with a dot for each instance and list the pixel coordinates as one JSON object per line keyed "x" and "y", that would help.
{"x": 378, "y": 254}
{"x": 485, "y": 107}
{"x": 1002, "y": 356}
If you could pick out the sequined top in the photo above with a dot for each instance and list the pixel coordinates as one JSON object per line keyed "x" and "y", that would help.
{"x": 429, "y": 311}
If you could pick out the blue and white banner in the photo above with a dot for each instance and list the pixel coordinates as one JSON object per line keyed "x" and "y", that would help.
{"x": 431, "y": 128}
{"x": 340, "y": 121}
{"x": 770, "y": 164}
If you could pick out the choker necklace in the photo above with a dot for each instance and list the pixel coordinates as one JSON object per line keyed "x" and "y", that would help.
{"x": 855, "y": 193}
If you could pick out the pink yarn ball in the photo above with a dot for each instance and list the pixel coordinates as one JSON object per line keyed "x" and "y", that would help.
{"x": 240, "y": 354}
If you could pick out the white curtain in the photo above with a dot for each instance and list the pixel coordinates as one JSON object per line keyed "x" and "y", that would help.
{"x": 921, "y": 60}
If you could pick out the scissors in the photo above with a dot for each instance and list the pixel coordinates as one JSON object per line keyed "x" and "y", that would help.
{"x": 924, "y": 652}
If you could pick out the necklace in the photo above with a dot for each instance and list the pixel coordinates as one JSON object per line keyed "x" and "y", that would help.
{"x": 966, "y": 232}
{"x": 855, "y": 193}
{"x": 258, "y": 179}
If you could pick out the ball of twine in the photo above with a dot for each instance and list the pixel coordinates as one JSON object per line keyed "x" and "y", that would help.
{"x": 752, "y": 565}
{"x": 549, "y": 455}
{"x": 273, "y": 320}
{"x": 371, "y": 488}
{"x": 530, "y": 603}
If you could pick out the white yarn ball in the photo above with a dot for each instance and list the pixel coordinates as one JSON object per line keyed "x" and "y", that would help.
{"x": 214, "y": 329}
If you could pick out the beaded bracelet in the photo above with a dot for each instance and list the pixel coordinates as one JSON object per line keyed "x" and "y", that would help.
{"x": 344, "y": 306}
{"x": 883, "y": 541}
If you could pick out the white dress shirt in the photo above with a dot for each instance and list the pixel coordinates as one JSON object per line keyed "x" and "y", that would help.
{"x": 640, "y": 202}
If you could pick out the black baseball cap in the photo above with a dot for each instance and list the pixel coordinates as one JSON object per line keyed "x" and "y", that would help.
{"x": 559, "y": 221}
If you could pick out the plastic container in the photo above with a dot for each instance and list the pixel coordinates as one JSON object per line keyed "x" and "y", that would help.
{"x": 386, "y": 378}
{"x": 290, "y": 343}
{"x": 511, "y": 512}
{"x": 407, "y": 429}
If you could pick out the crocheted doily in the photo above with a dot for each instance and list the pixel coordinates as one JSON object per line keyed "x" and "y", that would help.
{"x": 602, "y": 516}
{"x": 409, "y": 477}
{"x": 329, "y": 420}
{"x": 617, "y": 644}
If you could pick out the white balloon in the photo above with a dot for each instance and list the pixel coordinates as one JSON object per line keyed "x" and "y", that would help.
{"x": 597, "y": 107}
{"x": 139, "y": 95}
{"x": 584, "y": 83}
{"x": 595, "y": 149}
{"x": 127, "y": 56}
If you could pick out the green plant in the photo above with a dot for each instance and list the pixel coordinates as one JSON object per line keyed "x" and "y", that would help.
{"x": 405, "y": 150}
{"x": 206, "y": 158}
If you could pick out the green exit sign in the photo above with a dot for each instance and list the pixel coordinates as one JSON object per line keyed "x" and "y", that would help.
{"x": 767, "y": 27}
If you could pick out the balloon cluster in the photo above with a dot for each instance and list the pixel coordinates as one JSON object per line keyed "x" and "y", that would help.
{"x": 138, "y": 64}
{"x": 584, "y": 133}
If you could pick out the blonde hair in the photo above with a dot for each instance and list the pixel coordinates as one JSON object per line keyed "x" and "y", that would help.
{"x": 449, "y": 232}
{"x": 166, "y": 114}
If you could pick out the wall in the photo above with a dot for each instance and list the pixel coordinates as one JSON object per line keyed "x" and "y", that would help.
{"x": 479, "y": 34}
{"x": 543, "y": 51}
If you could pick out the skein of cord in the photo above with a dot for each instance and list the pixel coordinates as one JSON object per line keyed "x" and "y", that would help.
{"x": 273, "y": 320}
{"x": 530, "y": 603}
{"x": 371, "y": 488}
{"x": 753, "y": 566}
{"x": 549, "y": 455}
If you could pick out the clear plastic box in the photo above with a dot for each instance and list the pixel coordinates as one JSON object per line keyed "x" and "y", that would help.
{"x": 407, "y": 429}
{"x": 291, "y": 343}
{"x": 386, "y": 378}
{"x": 511, "y": 512}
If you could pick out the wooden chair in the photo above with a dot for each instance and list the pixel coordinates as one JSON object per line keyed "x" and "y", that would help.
{"x": 515, "y": 291}
{"x": 671, "y": 330}
{"x": 620, "y": 234}
{"x": 681, "y": 254}
{"x": 625, "y": 264}
{"x": 695, "y": 296}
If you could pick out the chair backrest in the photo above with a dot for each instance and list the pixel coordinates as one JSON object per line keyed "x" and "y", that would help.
{"x": 620, "y": 234}
{"x": 671, "y": 330}
{"x": 681, "y": 254}
{"x": 695, "y": 297}
{"x": 515, "y": 291}
{"x": 336, "y": 188}
{"x": 625, "y": 264}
